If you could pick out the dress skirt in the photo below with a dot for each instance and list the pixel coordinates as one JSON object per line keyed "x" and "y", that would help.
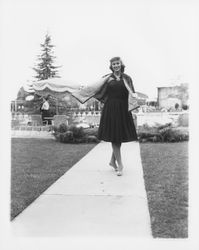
{"x": 116, "y": 123}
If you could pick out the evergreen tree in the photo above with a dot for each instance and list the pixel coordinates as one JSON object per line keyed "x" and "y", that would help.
{"x": 45, "y": 68}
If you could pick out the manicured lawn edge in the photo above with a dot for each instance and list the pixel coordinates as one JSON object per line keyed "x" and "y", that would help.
{"x": 36, "y": 164}
{"x": 165, "y": 167}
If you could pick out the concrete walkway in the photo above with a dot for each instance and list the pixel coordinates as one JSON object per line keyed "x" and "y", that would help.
{"x": 91, "y": 200}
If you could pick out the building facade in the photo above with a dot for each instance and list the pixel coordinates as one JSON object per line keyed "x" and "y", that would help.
{"x": 172, "y": 97}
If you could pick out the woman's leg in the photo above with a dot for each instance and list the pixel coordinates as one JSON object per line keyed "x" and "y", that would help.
{"x": 113, "y": 161}
{"x": 117, "y": 153}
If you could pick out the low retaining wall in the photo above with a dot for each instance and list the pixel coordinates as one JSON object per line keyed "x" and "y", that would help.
{"x": 152, "y": 119}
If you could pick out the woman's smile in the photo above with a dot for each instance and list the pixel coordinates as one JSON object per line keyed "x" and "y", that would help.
{"x": 116, "y": 65}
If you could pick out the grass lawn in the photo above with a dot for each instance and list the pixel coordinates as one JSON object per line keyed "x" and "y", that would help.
{"x": 165, "y": 168}
{"x": 36, "y": 164}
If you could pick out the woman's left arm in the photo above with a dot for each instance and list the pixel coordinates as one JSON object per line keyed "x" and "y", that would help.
{"x": 132, "y": 87}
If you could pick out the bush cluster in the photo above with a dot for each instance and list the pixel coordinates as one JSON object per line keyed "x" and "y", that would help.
{"x": 164, "y": 133}
{"x": 73, "y": 134}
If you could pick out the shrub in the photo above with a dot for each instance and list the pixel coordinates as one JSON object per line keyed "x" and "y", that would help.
{"x": 168, "y": 135}
{"x": 67, "y": 137}
{"x": 78, "y": 133}
{"x": 173, "y": 135}
{"x": 165, "y": 126}
{"x": 145, "y": 128}
{"x": 152, "y": 137}
{"x": 62, "y": 128}
{"x": 91, "y": 131}
{"x": 163, "y": 129}
{"x": 91, "y": 138}
{"x": 75, "y": 134}
{"x": 165, "y": 133}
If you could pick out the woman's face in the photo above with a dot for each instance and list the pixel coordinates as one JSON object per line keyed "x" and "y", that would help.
{"x": 116, "y": 65}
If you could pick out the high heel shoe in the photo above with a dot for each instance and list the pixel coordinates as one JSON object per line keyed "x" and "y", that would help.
{"x": 119, "y": 172}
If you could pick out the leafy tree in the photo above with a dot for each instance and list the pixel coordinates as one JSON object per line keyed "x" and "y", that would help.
{"x": 45, "y": 68}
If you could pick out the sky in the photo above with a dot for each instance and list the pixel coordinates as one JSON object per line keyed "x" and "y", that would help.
{"x": 155, "y": 39}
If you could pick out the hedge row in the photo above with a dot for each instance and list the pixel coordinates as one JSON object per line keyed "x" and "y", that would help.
{"x": 165, "y": 133}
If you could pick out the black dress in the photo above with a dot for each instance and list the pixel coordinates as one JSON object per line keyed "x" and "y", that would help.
{"x": 116, "y": 123}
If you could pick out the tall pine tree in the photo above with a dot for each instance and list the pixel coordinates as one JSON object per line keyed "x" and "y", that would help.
{"x": 45, "y": 68}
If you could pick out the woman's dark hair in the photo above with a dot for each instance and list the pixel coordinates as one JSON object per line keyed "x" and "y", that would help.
{"x": 117, "y": 58}
{"x": 47, "y": 97}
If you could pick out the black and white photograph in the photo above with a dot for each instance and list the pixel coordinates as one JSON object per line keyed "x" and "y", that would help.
{"x": 97, "y": 120}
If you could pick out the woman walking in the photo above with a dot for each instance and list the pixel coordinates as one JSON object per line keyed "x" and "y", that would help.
{"x": 116, "y": 123}
{"x": 117, "y": 92}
